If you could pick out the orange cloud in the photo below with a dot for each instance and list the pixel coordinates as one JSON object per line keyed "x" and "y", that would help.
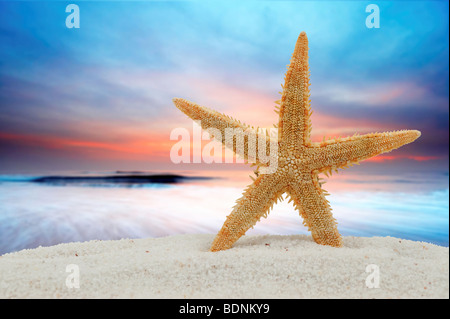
{"x": 138, "y": 148}
{"x": 384, "y": 158}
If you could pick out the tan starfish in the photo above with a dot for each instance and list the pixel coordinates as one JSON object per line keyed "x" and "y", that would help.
{"x": 300, "y": 161}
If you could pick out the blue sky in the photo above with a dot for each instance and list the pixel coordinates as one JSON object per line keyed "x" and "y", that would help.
{"x": 81, "y": 96}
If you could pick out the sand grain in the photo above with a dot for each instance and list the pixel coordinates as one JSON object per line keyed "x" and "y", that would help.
{"x": 256, "y": 267}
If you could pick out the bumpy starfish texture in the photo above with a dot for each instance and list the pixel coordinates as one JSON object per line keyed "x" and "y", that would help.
{"x": 300, "y": 161}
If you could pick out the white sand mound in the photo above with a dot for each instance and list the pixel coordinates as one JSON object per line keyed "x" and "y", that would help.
{"x": 256, "y": 267}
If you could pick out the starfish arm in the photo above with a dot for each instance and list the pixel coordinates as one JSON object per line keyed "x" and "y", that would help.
{"x": 343, "y": 152}
{"x": 241, "y": 138}
{"x": 309, "y": 199}
{"x": 255, "y": 203}
{"x": 294, "y": 124}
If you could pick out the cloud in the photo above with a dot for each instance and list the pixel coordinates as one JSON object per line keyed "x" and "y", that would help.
{"x": 111, "y": 82}
{"x": 392, "y": 94}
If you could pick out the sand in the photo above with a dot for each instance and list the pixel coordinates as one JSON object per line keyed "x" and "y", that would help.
{"x": 256, "y": 267}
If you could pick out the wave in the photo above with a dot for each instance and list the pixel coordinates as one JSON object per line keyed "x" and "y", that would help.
{"x": 16, "y": 178}
{"x": 119, "y": 179}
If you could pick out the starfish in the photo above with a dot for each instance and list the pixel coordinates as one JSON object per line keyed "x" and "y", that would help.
{"x": 300, "y": 161}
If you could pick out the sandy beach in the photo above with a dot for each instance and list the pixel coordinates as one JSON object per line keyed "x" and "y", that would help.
{"x": 268, "y": 266}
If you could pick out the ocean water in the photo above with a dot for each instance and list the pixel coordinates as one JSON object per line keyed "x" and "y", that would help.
{"x": 37, "y": 211}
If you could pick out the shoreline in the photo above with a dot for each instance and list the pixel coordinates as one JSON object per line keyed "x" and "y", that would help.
{"x": 258, "y": 266}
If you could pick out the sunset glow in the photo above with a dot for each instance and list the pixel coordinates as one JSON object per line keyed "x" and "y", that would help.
{"x": 116, "y": 105}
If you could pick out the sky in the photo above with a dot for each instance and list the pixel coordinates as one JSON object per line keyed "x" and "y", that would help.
{"x": 99, "y": 97}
